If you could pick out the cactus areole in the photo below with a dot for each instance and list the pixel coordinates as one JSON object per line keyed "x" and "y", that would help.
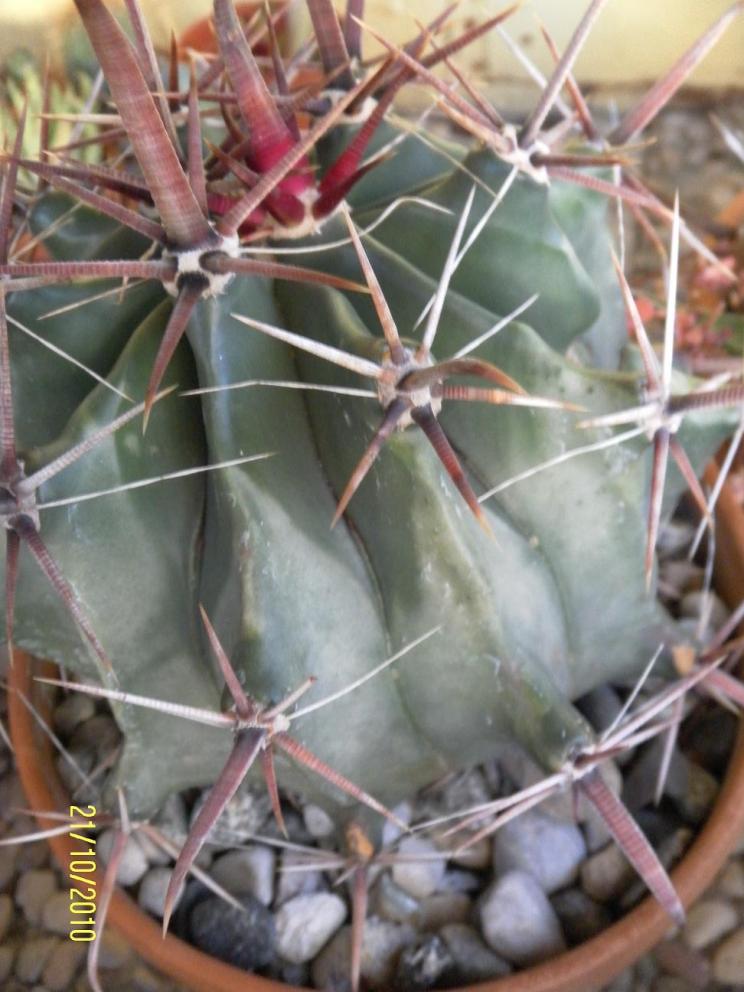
{"x": 269, "y": 309}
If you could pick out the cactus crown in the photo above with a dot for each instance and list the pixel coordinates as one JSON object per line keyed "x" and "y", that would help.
{"x": 205, "y": 193}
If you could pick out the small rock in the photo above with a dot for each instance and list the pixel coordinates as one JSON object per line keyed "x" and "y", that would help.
{"x": 6, "y": 914}
{"x": 601, "y": 706}
{"x": 317, "y": 822}
{"x": 437, "y": 910}
{"x": 32, "y": 958}
{"x": 458, "y": 793}
{"x": 681, "y": 576}
{"x": 419, "y": 878}
{"x": 32, "y": 891}
{"x": 55, "y": 915}
{"x": 581, "y": 917}
{"x": 391, "y": 831}
{"x": 243, "y": 816}
{"x": 172, "y": 819}
{"x": 245, "y": 938}
{"x": 710, "y": 605}
{"x": 152, "y": 890}
{"x": 62, "y": 965}
{"x": 391, "y": 902}
{"x": 7, "y": 866}
{"x": 73, "y": 773}
{"x": 74, "y": 710}
{"x": 474, "y": 962}
{"x": 675, "y": 538}
{"x": 676, "y": 958}
{"x": 291, "y": 883}
{"x": 144, "y": 980}
{"x": 382, "y": 944}
{"x": 668, "y": 983}
{"x": 669, "y": 851}
{"x": 249, "y": 870}
{"x": 296, "y": 975}
{"x": 306, "y": 923}
{"x": 551, "y": 850}
{"x": 133, "y": 864}
{"x": 100, "y": 733}
{"x": 477, "y": 856}
{"x": 731, "y": 880}
{"x": 517, "y": 920}
{"x": 728, "y": 960}
{"x": 708, "y": 921}
{"x": 606, "y": 874}
{"x": 425, "y": 965}
{"x": 7, "y": 957}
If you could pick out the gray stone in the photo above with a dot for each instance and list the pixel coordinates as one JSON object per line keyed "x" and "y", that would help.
{"x": 32, "y": 891}
{"x": 442, "y": 908}
{"x": 306, "y": 923}
{"x": 391, "y": 902}
{"x": 551, "y": 850}
{"x": 728, "y": 960}
{"x": 456, "y": 795}
{"x": 517, "y": 920}
{"x": 419, "y": 877}
{"x": 606, "y": 874}
{"x": 457, "y": 880}
{"x": 425, "y": 965}
{"x": 6, "y": 915}
{"x": 708, "y": 921}
{"x": 172, "y": 819}
{"x": 152, "y": 890}
{"x": 100, "y": 733}
{"x": 133, "y": 864}
{"x": 601, "y": 706}
{"x": 32, "y": 958}
{"x": 244, "y": 937}
{"x": 249, "y": 870}
{"x": 244, "y": 816}
{"x": 581, "y": 917}
{"x": 474, "y": 962}
{"x": 731, "y": 880}
{"x": 669, "y": 851}
{"x": 62, "y": 965}
{"x": 710, "y": 605}
{"x": 55, "y": 915}
{"x": 317, "y": 822}
{"x": 391, "y": 831}
{"x": 74, "y": 710}
{"x": 114, "y": 951}
{"x": 291, "y": 883}
{"x": 7, "y": 866}
{"x": 382, "y": 944}
{"x": 477, "y": 856}
{"x": 73, "y": 773}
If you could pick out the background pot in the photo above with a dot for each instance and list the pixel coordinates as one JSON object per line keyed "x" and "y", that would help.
{"x": 583, "y": 969}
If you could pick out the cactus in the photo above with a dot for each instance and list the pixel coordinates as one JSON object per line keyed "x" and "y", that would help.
{"x": 259, "y": 295}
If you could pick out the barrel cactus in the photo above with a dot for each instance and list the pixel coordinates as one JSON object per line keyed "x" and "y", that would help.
{"x": 290, "y": 466}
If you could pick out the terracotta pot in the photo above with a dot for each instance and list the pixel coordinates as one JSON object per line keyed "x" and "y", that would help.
{"x": 584, "y": 969}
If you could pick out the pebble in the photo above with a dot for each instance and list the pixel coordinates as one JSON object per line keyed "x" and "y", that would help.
{"x": 391, "y": 831}
{"x": 382, "y": 944}
{"x": 708, "y": 921}
{"x": 731, "y": 880}
{"x": 681, "y": 575}
{"x": 456, "y": 880}
{"x": 296, "y": 883}
{"x": 581, "y": 918}
{"x": 459, "y": 792}
{"x": 6, "y": 914}
{"x": 477, "y": 856}
{"x": 474, "y": 962}
{"x": 152, "y": 890}
{"x": 728, "y": 960}
{"x": 425, "y": 965}
{"x": 7, "y": 957}
{"x": 306, "y": 923}
{"x": 172, "y": 819}
{"x": 675, "y": 538}
{"x": 72, "y": 775}
{"x": 62, "y": 965}
{"x": 75, "y": 709}
{"x": 442, "y": 908}
{"x": 551, "y": 850}
{"x": 694, "y": 604}
{"x": 669, "y": 851}
{"x": 250, "y": 870}
{"x": 601, "y": 706}
{"x": 419, "y": 878}
{"x": 391, "y": 902}
{"x": 32, "y": 958}
{"x": 676, "y": 958}
{"x": 133, "y": 864}
{"x": 606, "y": 874}
{"x": 100, "y": 733}
{"x": 32, "y": 891}
{"x": 317, "y": 822}
{"x": 55, "y": 915}
{"x": 114, "y": 951}
{"x": 7, "y": 866}
{"x": 517, "y": 920}
{"x": 243, "y": 816}
{"x": 245, "y": 938}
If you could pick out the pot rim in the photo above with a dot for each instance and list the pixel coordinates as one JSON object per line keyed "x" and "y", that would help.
{"x": 581, "y": 969}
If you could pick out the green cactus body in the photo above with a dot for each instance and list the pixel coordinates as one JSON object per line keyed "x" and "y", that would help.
{"x": 552, "y": 605}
